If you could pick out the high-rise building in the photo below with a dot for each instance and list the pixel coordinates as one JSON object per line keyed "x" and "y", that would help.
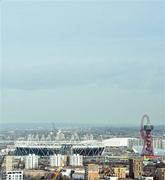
{"x": 31, "y": 161}
{"x": 135, "y": 168}
{"x": 14, "y": 175}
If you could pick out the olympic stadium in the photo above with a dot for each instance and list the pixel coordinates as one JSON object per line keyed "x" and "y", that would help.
{"x": 85, "y": 148}
{"x": 49, "y": 148}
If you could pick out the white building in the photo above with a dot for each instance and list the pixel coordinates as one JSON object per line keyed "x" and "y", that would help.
{"x": 146, "y": 178}
{"x": 31, "y": 161}
{"x": 57, "y": 160}
{"x": 76, "y": 160}
{"x": 117, "y": 142}
{"x": 9, "y": 163}
{"x": 14, "y": 175}
{"x": 157, "y": 143}
{"x": 111, "y": 178}
{"x": 163, "y": 144}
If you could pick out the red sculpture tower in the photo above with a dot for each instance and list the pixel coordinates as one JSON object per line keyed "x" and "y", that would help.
{"x": 146, "y": 135}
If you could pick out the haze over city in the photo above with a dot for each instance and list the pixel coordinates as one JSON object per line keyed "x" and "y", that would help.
{"x": 82, "y": 90}
{"x": 82, "y": 62}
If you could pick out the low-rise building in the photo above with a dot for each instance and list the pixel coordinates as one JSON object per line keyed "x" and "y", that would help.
{"x": 111, "y": 178}
{"x": 14, "y": 175}
{"x": 92, "y": 172}
{"x": 160, "y": 174}
{"x": 120, "y": 172}
{"x": 146, "y": 178}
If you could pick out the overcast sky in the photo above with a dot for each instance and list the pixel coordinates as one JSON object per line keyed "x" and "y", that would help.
{"x": 82, "y": 61}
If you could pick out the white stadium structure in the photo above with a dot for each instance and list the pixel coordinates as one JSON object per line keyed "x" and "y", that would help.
{"x": 85, "y": 148}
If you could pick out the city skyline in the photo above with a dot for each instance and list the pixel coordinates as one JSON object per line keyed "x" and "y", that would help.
{"x": 82, "y": 62}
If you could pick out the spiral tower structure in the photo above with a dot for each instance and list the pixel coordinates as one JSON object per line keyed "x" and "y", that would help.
{"x": 146, "y": 134}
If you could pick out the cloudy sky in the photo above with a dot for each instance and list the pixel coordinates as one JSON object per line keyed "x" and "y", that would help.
{"x": 82, "y": 61}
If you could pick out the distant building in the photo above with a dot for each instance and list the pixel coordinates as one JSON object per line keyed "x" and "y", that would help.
{"x": 76, "y": 160}
{"x": 14, "y": 175}
{"x": 57, "y": 160}
{"x": 163, "y": 144}
{"x": 111, "y": 178}
{"x": 120, "y": 172}
{"x": 31, "y": 161}
{"x": 9, "y": 163}
{"x": 146, "y": 178}
{"x": 157, "y": 143}
{"x": 78, "y": 174}
{"x": 161, "y": 173}
{"x": 135, "y": 168}
{"x": 149, "y": 170}
{"x": 92, "y": 172}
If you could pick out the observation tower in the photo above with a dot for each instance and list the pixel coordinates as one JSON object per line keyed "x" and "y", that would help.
{"x": 145, "y": 131}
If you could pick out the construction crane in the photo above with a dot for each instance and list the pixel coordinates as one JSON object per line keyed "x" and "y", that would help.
{"x": 57, "y": 171}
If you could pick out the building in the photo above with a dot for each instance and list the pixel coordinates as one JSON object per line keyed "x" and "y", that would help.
{"x": 36, "y": 174}
{"x": 163, "y": 144}
{"x": 146, "y": 178}
{"x": 92, "y": 172}
{"x": 111, "y": 178}
{"x": 157, "y": 143}
{"x": 31, "y": 161}
{"x": 149, "y": 170}
{"x": 57, "y": 160}
{"x": 120, "y": 172}
{"x": 135, "y": 168}
{"x": 78, "y": 174}
{"x": 14, "y": 175}
{"x": 160, "y": 173}
{"x": 76, "y": 160}
{"x": 9, "y": 163}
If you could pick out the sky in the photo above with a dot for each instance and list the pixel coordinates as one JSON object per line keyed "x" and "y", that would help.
{"x": 79, "y": 61}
